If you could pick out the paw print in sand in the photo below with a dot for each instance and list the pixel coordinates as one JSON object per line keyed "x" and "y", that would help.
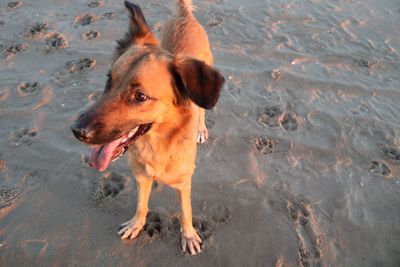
{"x": 75, "y": 66}
{"x": 85, "y": 19}
{"x": 380, "y": 168}
{"x": 153, "y": 224}
{"x": 16, "y": 49}
{"x": 23, "y": 136}
{"x": 270, "y": 116}
{"x": 55, "y": 41}
{"x": 28, "y": 88}
{"x": 391, "y": 153}
{"x": 90, "y": 35}
{"x": 289, "y": 122}
{"x": 36, "y": 30}
{"x": 265, "y": 145}
{"x": 112, "y": 184}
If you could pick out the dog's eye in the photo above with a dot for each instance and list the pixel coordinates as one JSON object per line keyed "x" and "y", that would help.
{"x": 140, "y": 97}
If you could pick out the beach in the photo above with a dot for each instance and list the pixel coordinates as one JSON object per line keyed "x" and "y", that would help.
{"x": 302, "y": 167}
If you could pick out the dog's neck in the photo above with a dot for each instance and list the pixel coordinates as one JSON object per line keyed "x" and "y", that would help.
{"x": 179, "y": 125}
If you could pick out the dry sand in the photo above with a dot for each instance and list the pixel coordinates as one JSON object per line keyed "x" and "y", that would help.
{"x": 303, "y": 163}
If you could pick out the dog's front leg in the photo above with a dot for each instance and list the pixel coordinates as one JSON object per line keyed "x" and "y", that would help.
{"x": 131, "y": 228}
{"x": 190, "y": 239}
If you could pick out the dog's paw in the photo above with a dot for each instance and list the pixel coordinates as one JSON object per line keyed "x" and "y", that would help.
{"x": 131, "y": 228}
{"x": 191, "y": 241}
{"x": 202, "y": 135}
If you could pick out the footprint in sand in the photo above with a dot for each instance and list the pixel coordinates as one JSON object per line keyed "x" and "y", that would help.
{"x": 309, "y": 242}
{"x": 391, "y": 153}
{"x": 109, "y": 15}
{"x": 160, "y": 225}
{"x": 203, "y": 228}
{"x": 28, "y": 88}
{"x": 380, "y": 168}
{"x": 265, "y": 145}
{"x": 220, "y": 214}
{"x": 1, "y": 23}
{"x": 55, "y": 41}
{"x": 14, "y": 4}
{"x": 90, "y": 35}
{"x": 289, "y": 121}
{"x": 215, "y": 215}
{"x": 37, "y": 30}
{"x": 153, "y": 226}
{"x": 16, "y": 48}
{"x": 362, "y": 63}
{"x": 94, "y": 4}
{"x": 85, "y": 19}
{"x": 113, "y": 184}
{"x": 9, "y": 195}
{"x": 108, "y": 194}
{"x": 23, "y": 136}
{"x": 75, "y": 66}
{"x": 214, "y": 20}
{"x": 33, "y": 180}
{"x": 269, "y": 116}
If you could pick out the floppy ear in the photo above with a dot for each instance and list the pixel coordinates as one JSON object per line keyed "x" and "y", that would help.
{"x": 139, "y": 32}
{"x": 196, "y": 80}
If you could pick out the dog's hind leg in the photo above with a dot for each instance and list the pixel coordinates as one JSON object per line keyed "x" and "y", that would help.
{"x": 131, "y": 228}
{"x": 202, "y": 134}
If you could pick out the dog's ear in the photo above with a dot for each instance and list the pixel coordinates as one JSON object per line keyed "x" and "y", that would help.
{"x": 139, "y": 32}
{"x": 196, "y": 80}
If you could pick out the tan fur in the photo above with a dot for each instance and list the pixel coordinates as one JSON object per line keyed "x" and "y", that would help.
{"x": 159, "y": 154}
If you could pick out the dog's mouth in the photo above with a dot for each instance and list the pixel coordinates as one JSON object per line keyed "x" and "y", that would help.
{"x": 103, "y": 155}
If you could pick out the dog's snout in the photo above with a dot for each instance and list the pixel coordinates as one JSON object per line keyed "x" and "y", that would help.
{"x": 84, "y": 134}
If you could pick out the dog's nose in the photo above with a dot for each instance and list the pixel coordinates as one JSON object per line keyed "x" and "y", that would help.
{"x": 82, "y": 133}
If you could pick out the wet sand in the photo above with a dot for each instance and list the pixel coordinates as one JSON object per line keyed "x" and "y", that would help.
{"x": 302, "y": 167}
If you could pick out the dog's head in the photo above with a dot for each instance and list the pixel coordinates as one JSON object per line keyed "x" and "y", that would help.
{"x": 144, "y": 84}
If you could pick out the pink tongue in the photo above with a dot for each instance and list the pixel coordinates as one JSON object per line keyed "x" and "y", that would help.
{"x": 101, "y": 156}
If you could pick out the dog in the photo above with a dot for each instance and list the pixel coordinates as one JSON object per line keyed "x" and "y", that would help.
{"x": 153, "y": 107}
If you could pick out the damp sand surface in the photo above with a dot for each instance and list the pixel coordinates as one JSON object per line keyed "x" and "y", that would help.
{"x": 303, "y": 163}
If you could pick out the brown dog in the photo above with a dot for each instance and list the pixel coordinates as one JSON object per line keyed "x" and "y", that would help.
{"x": 150, "y": 107}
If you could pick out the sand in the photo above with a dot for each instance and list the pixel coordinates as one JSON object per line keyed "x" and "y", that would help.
{"x": 302, "y": 167}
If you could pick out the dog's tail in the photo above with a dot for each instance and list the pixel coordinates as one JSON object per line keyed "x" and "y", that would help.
{"x": 184, "y": 8}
